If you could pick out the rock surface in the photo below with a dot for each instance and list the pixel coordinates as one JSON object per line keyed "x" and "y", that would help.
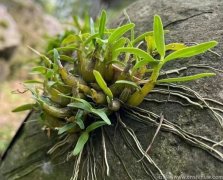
{"x": 29, "y": 26}
{"x": 188, "y": 21}
{"x": 9, "y": 34}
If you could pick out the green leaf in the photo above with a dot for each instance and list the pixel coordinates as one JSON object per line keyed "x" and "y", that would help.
{"x": 118, "y": 44}
{"x": 116, "y": 62}
{"x": 141, "y": 63}
{"x": 65, "y": 48}
{"x": 76, "y": 23}
{"x": 95, "y": 125}
{"x": 101, "y": 82}
{"x": 191, "y": 51}
{"x": 119, "y": 32}
{"x": 65, "y": 128}
{"x": 78, "y": 119}
{"x": 92, "y": 26}
{"x": 70, "y": 39}
{"x": 87, "y": 104}
{"x": 39, "y": 69}
{"x": 56, "y": 55}
{"x": 101, "y": 113}
{"x": 151, "y": 45}
{"x": 67, "y": 58}
{"x": 24, "y": 107}
{"x": 86, "y": 26}
{"x": 102, "y": 24}
{"x": 80, "y": 143}
{"x": 80, "y": 123}
{"x": 45, "y": 58}
{"x": 84, "y": 105}
{"x": 159, "y": 35}
{"x": 89, "y": 39}
{"x": 101, "y": 42}
{"x": 80, "y": 105}
{"x": 185, "y": 78}
{"x": 130, "y": 83}
{"x": 49, "y": 73}
{"x": 142, "y": 36}
{"x": 175, "y": 46}
{"x": 138, "y": 52}
{"x": 32, "y": 82}
{"x": 51, "y": 83}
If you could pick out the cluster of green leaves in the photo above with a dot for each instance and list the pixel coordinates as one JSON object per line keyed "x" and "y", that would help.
{"x": 104, "y": 70}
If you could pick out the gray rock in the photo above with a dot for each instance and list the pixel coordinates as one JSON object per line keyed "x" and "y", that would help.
{"x": 9, "y": 34}
{"x": 34, "y": 25}
{"x": 52, "y": 25}
{"x": 188, "y": 21}
{"x": 4, "y": 69}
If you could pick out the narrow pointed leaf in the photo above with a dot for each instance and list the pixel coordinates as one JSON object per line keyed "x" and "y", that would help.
{"x": 39, "y": 69}
{"x": 101, "y": 113}
{"x": 95, "y": 125}
{"x": 140, "y": 64}
{"x": 92, "y": 26}
{"x": 102, "y": 23}
{"x": 159, "y": 35}
{"x": 79, "y": 105}
{"x": 143, "y": 63}
{"x": 89, "y": 39}
{"x": 78, "y": 119}
{"x": 24, "y": 107}
{"x": 45, "y": 58}
{"x": 101, "y": 82}
{"x": 185, "y": 78}
{"x": 72, "y": 38}
{"x": 175, "y": 46}
{"x": 76, "y": 22}
{"x": 86, "y": 23}
{"x": 191, "y": 51}
{"x": 65, "y": 48}
{"x": 80, "y": 123}
{"x": 80, "y": 143}
{"x": 142, "y": 36}
{"x": 119, "y": 32}
{"x": 129, "y": 83}
{"x": 119, "y": 43}
{"x": 85, "y": 104}
{"x": 151, "y": 45}
{"x": 49, "y": 73}
{"x": 66, "y": 58}
{"x": 56, "y": 55}
{"x": 138, "y": 52}
{"x": 65, "y": 128}
{"x": 33, "y": 82}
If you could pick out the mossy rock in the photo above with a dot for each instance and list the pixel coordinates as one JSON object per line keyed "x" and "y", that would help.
{"x": 196, "y": 21}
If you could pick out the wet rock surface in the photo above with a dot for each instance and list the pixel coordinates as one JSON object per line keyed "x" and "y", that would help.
{"x": 196, "y": 21}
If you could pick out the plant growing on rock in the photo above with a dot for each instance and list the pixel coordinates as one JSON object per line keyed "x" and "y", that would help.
{"x": 106, "y": 72}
